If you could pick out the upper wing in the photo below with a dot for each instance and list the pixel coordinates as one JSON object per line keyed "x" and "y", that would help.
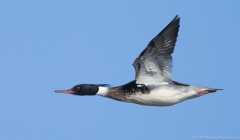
{"x": 154, "y": 64}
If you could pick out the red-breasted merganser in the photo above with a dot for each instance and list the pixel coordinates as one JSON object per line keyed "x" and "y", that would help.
{"x": 152, "y": 85}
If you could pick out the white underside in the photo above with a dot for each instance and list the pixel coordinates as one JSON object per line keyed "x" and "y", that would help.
{"x": 161, "y": 97}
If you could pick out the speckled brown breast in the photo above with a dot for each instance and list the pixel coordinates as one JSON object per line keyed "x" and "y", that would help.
{"x": 118, "y": 94}
{"x": 122, "y": 92}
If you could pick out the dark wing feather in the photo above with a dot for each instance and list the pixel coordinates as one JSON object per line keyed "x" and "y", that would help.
{"x": 154, "y": 64}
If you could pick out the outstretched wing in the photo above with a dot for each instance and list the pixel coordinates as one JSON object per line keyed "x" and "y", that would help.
{"x": 154, "y": 64}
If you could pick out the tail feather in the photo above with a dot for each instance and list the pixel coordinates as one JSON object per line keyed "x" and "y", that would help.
{"x": 206, "y": 91}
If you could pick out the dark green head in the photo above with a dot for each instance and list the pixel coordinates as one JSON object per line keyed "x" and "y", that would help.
{"x": 83, "y": 89}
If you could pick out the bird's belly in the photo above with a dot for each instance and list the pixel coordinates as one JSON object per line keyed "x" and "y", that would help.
{"x": 161, "y": 97}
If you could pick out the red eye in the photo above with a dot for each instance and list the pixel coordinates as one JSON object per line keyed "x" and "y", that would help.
{"x": 78, "y": 88}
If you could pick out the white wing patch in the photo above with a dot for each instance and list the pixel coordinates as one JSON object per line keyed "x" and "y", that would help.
{"x": 149, "y": 72}
{"x": 156, "y": 70}
{"x": 154, "y": 64}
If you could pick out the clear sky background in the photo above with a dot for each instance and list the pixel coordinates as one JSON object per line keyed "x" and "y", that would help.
{"x": 47, "y": 45}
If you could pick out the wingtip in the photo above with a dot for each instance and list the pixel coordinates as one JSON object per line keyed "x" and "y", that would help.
{"x": 176, "y": 17}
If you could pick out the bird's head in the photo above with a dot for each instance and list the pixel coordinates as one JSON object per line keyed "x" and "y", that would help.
{"x": 84, "y": 89}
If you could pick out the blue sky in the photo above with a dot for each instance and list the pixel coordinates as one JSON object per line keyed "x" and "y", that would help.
{"x": 48, "y": 45}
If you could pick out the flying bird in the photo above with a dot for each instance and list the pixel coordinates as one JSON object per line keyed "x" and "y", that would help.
{"x": 152, "y": 85}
